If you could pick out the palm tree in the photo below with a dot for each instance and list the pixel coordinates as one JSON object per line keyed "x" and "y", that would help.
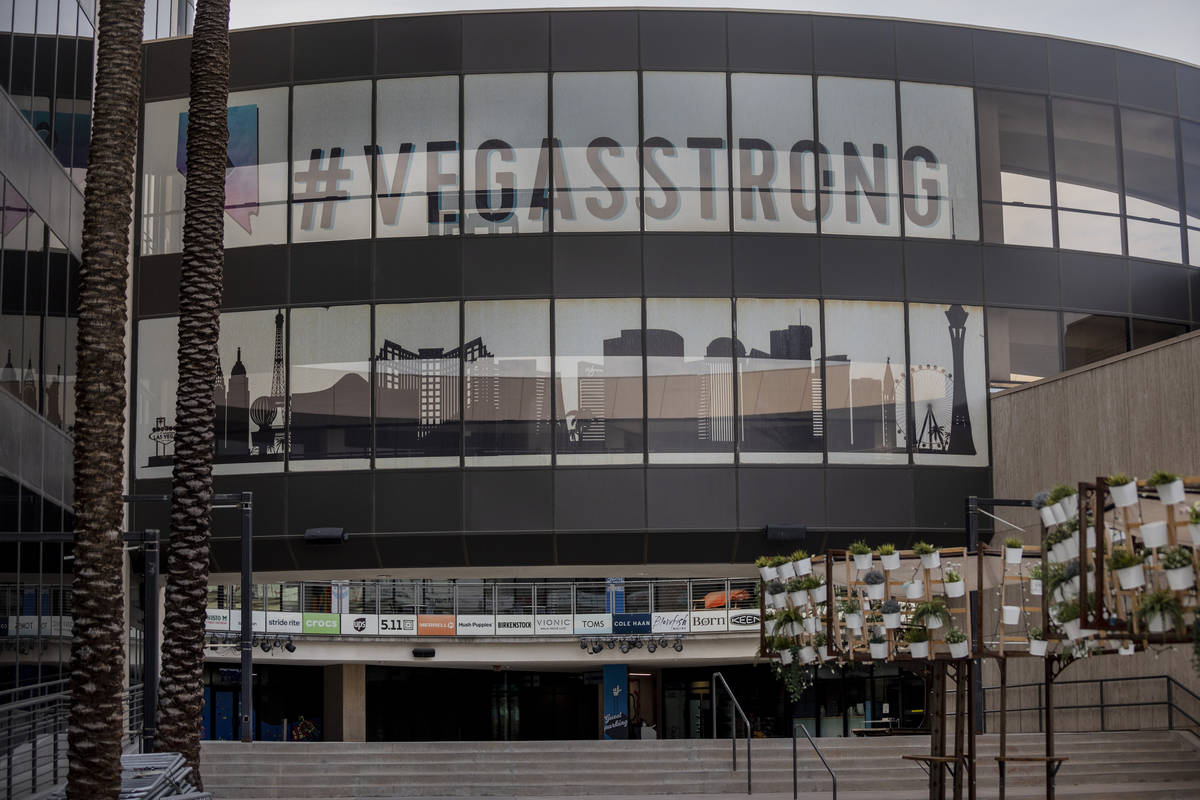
{"x": 181, "y": 689}
{"x": 94, "y": 723}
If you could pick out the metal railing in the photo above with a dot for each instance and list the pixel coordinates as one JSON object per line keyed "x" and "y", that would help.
{"x": 1172, "y": 690}
{"x": 796, "y": 761}
{"x": 736, "y": 706}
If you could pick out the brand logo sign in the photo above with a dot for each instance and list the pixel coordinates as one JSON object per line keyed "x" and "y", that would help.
{"x": 741, "y": 620}
{"x": 397, "y": 624}
{"x": 241, "y": 170}
{"x": 216, "y": 619}
{"x": 514, "y": 624}
{"x": 258, "y": 620}
{"x": 435, "y": 624}
{"x": 631, "y": 623}
{"x": 360, "y": 625}
{"x": 476, "y": 625}
{"x": 709, "y": 621}
{"x": 552, "y": 624}
{"x": 285, "y": 622}
{"x": 593, "y": 623}
{"x": 323, "y": 623}
{"x": 669, "y": 622}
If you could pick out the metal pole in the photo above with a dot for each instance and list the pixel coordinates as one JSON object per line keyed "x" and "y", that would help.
{"x": 150, "y": 550}
{"x": 1101, "y": 705}
{"x": 246, "y": 504}
{"x": 795, "y": 766}
{"x": 1170, "y": 704}
{"x": 1003, "y": 765}
{"x": 1050, "y": 769}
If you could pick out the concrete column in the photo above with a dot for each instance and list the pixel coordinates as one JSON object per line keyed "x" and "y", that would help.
{"x": 346, "y": 703}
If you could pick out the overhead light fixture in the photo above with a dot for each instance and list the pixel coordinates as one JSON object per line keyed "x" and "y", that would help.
{"x": 624, "y": 647}
{"x": 662, "y": 642}
{"x": 679, "y": 645}
{"x": 597, "y": 647}
{"x": 325, "y": 536}
{"x": 637, "y": 643}
{"x": 583, "y": 645}
{"x": 289, "y": 646}
{"x": 612, "y": 643}
{"x": 265, "y": 645}
{"x": 651, "y": 646}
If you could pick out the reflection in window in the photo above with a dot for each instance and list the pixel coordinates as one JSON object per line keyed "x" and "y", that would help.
{"x": 860, "y": 186}
{"x": 775, "y": 166}
{"x": 941, "y": 198}
{"x": 30, "y": 364}
{"x": 55, "y": 332}
{"x": 331, "y": 172}
{"x": 250, "y": 391}
{"x": 329, "y": 407}
{"x": 1022, "y": 346}
{"x": 1151, "y": 185}
{"x": 1092, "y": 337}
{"x": 1085, "y": 178}
{"x": 596, "y": 127}
{"x": 779, "y": 380}
{"x": 1190, "y": 135}
{"x": 507, "y": 177}
{"x": 157, "y": 383}
{"x": 865, "y": 418}
{"x": 506, "y": 363}
{"x": 1148, "y": 331}
{"x": 416, "y": 160}
{"x": 685, "y": 158}
{"x": 947, "y": 384}
{"x": 1014, "y": 167}
{"x": 417, "y": 419}
{"x": 689, "y": 379}
{"x": 14, "y": 215}
{"x": 598, "y": 376}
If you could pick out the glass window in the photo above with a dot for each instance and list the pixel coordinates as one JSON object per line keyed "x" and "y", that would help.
{"x": 775, "y": 166}
{"x": 417, "y": 419}
{"x": 506, "y": 355}
{"x": 1085, "y": 163}
{"x": 941, "y": 196}
{"x": 507, "y": 176}
{"x": 684, "y": 157}
{"x": 1022, "y": 346}
{"x": 1190, "y": 134}
{"x": 864, "y": 386}
{"x": 598, "y": 380}
{"x": 157, "y": 384}
{"x": 250, "y": 392}
{"x": 1014, "y": 167}
{"x": 1092, "y": 337}
{"x": 689, "y": 380}
{"x": 54, "y": 347}
{"x": 331, "y": 177}
{"x": 1151, "y": 186}
{"x": 779, "y": 380}
{"x": 82, "y": 104}
{"x": 947, "y": 384}
{"x": 35, "y": 304}
{"x": 1148, "y": 331}
{"x": 329, "y": 406}
{"x": 596, "y": 171}
{"x": 416, "y": 160}
{"x": 860, "y": 187}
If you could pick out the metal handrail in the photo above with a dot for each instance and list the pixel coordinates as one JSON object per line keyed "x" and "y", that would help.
{"x": 733, "y": 727}
{"x": 1170, "y": 683}
{"x": 796, "y": 765}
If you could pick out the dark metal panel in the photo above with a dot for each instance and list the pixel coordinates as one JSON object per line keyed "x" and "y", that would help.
{"x": 509, "y": 499}
{"x": 875, "y": 497}
{"x": 614, "y": 547}
{"x": 599, "y": 499}
{"x": 848, "y": 46}
{"x": 329, "y": 500}
{"x": 270, "y": 505}
{"x": 260, "y": 58}
{"x": 405, "y": 550}
{"x": 417, "y": 269}
{"x": 934, "y": 53}
{"x": 781, "y": 496}
{"x": 506, "y": 42}
{"x": 597, "y": 266}
{"x": 1020, "y": 276}
{"x": 1094, "y": 282}
{"x": 418, "y": 500}
{"x": 593, "y": 40}
{"x": 254, "y": 277}
{"x": 691, "y": 497}
{"x": 506, "y": 266}
{"x": 1010, "y": 61}
{"x": 503, "y": 550}
{"x": 419, "y": 45}
{"x": 692, "y": 40}
{"x": 334, "y": 51}
{"x": 158, "y": 285}
{"x": 1189, "y": 91}
{"x": 941, "y": 494}
{"x": 151, "y": 514}
{"x": 331, "y": 272}
{"x": 687, "y": 266}
{"x": 776, "y": 265}
{"x": 943, "y": 271}
{"x": 707, "y": 547}
{"x": 770, "y": 43}
{"x": 357, "y": 553}
{"x": 1159, "y": 290}
{"x": 1146, "y": 82}
{"x": 1083, "y": 70}
{"x": 167, "y": 72}
{"x": 862, "y": 269}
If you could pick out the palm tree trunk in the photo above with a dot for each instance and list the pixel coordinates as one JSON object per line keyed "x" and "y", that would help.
{"x": 94, "y": 726}
{"x": 181, "y": 688}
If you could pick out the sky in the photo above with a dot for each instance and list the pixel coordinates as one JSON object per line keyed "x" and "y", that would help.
{"x": 1163, "y": 27}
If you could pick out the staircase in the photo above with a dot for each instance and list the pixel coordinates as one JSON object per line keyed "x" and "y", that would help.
{"x": 1160, "y": 765}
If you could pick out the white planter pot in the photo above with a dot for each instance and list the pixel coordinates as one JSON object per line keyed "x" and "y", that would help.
{"x": 1035, "y": 587}
{"x": 879, "y": 650}
{"x": 1154, "y": 534}
{"x": 819, "y": 594}
{"x": 1012, "y": 615}
{"x": 933, "y": 623}
{"x": 918, "y": 649}
{"x": 854, "y": 622}
{"x": 785, "y": 656}
{"x": 1060, "y": 513}
{"x": 810, "y": 624}
{"x": 1158, "y": 624}
{"x": 875, "y": 591}
{"x": 768, "y": 574}
{"x": 799, "y": 598}
{"x": 823, "y": 652}
{"x": 1194, "y": 530}
{"x": 956, "y": 588}
{"x": 1059, "y": 552}
{"x": 1124, "y": 495}
{"x": 892, "y": 561}
{"x": 1070, "y": 505}
{"x": 808, "y": 654}
{"x": 1170, "y": 493}
{"x": 932, "y": 560}
{"x": 891, "y": 621}
{"x": 1047, "y": 516}
{"x": 1127, "y": 650}
{"x": 862, "y": 560}
{"x": 803, "y": 567}
{"x": 1071, "y": 629}
{"x": 1012, "y": 555}
{"x": 786, "y": 571}
{"x": 1071, "y": 547}
{"x": 795, "y": 628}
{"x": 1037, "y": 647}
{"x": 959, "y": 649}
{"x": 914, "y": 590}
{"x": 777, "y": 600}
{"x": 1181, "y": 578}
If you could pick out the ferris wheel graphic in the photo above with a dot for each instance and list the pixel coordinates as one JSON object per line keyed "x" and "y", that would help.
{"x": 933, "y": 405}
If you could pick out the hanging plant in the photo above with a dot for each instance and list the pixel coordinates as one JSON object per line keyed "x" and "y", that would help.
{"x": 1169, "y": 486}
{"x": 932, "y": 614}
{"x": 876, "y": 584}
{"x": 1160, "y": 611}
{"x": 1123, "y": 489}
